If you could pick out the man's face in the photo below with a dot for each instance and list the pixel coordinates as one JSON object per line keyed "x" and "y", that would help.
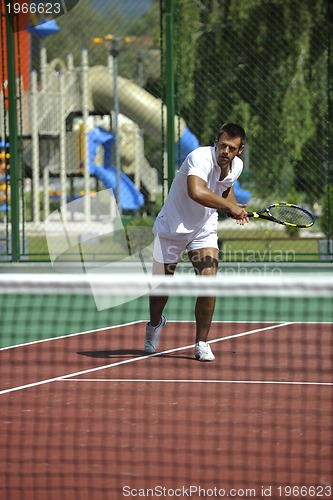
{"x": 226, "y": 148}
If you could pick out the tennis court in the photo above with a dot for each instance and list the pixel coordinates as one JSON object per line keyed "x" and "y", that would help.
{"x": 89, "y": 415}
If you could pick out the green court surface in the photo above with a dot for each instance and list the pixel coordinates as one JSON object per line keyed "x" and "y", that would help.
{"x": 59, "y": 315}
{"x": 28, "y": 317}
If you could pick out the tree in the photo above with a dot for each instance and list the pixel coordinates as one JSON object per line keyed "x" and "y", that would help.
{"x": 263, "y": 64}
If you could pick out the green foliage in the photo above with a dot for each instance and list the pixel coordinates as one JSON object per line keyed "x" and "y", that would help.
{"x": 77, "y": 29}
{"x": 80, "y": 26}
{"x": 141, "y": 222}
{"x": 263, "y": 64}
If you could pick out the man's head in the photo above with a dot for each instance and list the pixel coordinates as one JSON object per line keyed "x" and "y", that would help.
{"x": 229, "y": 142}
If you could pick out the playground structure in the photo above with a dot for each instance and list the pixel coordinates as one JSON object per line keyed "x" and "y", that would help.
{"x": 4, "y": 188}
{"x": 61, "y": 115}
{"x": 67, "y": 118}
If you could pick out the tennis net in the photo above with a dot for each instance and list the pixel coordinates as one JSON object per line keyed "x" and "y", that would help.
{"x": 85, "y": 413}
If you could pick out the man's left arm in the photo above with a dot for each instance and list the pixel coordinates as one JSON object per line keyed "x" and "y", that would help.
{"x": 229, "y": 195}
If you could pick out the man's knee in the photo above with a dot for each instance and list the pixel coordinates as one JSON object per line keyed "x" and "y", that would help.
{"x": 204, "y": 262}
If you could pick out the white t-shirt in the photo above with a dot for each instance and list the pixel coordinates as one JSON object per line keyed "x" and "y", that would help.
{"x": 182, "y": 214}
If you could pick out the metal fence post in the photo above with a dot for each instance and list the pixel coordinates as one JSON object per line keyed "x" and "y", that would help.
{"x": 170, "y": 89}
{"x": 13, "y": 139}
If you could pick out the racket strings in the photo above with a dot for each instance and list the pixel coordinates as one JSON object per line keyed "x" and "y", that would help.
{"x": 291, "y": 215}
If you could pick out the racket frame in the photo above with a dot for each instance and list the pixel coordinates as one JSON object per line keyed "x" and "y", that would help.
{"x": 265, "y": 214}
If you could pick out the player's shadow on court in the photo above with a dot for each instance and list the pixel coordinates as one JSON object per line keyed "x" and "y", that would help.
{"x": 127, "y": 353}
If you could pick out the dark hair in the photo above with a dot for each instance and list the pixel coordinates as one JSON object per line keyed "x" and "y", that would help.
{"x": 233, "y": 130}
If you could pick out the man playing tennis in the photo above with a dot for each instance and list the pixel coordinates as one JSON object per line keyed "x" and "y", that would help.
{"x": 188, "y": 221}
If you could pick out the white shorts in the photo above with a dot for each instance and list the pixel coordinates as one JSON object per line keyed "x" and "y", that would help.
{"x": 169, "y": 248}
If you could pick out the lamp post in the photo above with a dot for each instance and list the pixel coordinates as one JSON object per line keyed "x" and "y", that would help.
{"x": 114, "y": 49}
{"x": 112, "y": 44}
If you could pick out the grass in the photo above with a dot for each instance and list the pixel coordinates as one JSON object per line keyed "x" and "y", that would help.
{"x": 259, "y": 243}
{"x": 269, "y": 250}
{"x": 233, "y": 249}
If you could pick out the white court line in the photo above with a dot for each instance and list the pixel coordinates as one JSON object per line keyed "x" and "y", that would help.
{"x": 179, "y": 381}
{"x": 95, "y": 330}
{"x": 140, "y": 358}
{"x": 134, "y": 360}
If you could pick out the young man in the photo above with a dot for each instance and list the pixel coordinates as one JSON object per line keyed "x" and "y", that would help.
{"x": 188, "y": 221}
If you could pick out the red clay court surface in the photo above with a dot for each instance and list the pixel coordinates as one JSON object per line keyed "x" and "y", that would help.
{"x": 89, "y": 416}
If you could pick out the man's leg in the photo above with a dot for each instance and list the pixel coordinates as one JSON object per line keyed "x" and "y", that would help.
{"x": 205, "y": 263}
{"x": 166, "y": 249}
{"x": 156, "y": 303}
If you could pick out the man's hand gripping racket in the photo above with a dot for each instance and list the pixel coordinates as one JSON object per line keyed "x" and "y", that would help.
{"x": 239, "y": 213}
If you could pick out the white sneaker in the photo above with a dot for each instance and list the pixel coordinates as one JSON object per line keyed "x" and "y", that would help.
{"x": 203, "y": 352}
{"x": 153, "y": 334}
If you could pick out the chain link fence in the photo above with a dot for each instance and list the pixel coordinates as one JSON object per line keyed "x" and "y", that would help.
{"x": 266, "y": 65}
{"x": 91, "y": 101}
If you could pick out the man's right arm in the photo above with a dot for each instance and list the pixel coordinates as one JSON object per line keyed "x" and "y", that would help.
{"x": 198, "y": 191}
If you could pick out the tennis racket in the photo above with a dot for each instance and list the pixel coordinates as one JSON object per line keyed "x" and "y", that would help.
{"x": 286, "y": 214}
